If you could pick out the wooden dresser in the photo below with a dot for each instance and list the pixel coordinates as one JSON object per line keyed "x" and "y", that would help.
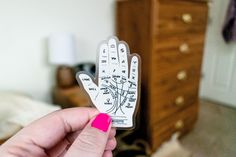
{"x": 169, "y": 36}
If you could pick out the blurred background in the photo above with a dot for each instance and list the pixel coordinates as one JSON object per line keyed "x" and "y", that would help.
{"x": 25, "y": 28}
{"x": 188, "y": 51}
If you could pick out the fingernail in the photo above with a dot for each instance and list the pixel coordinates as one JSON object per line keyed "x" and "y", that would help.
{"x": 101, "y": 122}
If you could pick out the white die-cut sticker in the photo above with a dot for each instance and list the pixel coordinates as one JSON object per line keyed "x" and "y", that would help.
{"x": 115, "y": 90}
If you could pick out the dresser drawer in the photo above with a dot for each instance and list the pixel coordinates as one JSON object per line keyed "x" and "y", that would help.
{"x": 173, "y": 89}
{"x": 169, "y": 103}
{"x": 181, "y": 122}
{"x": 180, "y": 17}
{"x": 178, "y": 50}
{"x": 170, "y": 78}
{"x": 202, "y": 1}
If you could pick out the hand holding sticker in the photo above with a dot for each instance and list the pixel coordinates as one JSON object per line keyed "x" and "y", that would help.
{"x": 116, "y": 90}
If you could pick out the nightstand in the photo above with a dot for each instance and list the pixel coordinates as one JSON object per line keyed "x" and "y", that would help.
{"x": 70, "y": 97}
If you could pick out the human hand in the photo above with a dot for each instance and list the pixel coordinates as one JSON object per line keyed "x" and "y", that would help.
{"x": 115, "y": 90}
{"x": 74, "y": 132}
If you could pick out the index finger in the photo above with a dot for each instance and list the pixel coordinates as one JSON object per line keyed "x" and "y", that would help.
{"x": 51, "y": 129}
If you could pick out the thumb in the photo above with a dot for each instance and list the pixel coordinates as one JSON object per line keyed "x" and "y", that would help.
{"x": 88, "y": 84}
{"x": 92, "y": 140}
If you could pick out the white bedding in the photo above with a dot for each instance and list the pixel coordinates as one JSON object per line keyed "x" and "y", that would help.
{"x": 17, "y": 111}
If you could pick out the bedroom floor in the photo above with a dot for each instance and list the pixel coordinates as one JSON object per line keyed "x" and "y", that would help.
{"x": 215, "y": 132}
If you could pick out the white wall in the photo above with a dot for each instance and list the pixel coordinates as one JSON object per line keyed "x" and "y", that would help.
{"x": 24, "y": 27}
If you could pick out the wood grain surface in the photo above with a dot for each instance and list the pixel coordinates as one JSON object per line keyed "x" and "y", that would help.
{"x": 169, "y": 36}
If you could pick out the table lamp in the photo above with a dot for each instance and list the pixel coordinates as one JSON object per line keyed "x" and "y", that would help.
{"x": 62, "y": 52}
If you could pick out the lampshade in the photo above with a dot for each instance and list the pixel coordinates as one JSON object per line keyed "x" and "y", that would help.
{"x": 62, "y": 49}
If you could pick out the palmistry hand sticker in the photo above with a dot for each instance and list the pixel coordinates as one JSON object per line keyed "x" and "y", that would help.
{"x": 115, "y": 90}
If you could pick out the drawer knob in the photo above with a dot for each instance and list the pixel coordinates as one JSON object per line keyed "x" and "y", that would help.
{"x": 184, "y": 48}
{"x": 179, "y": 124}
{"x": 187, "y": 18}
{"x": 182, "y": 75}
{"x": 179, "y": 101}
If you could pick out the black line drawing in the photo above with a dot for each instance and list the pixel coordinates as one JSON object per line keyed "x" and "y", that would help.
{"x": 116, "y": 91}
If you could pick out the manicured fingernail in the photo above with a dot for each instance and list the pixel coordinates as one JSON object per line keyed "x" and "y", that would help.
{"x": 101, "y": 122}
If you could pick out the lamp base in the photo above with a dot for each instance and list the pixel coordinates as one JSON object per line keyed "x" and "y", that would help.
{"x": 65, "y": 76}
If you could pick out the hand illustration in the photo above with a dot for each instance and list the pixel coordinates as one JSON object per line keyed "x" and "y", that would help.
{"x": 116, "y": 89}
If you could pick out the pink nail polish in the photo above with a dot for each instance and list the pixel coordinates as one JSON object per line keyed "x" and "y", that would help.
{"x": 101, "y": 122}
